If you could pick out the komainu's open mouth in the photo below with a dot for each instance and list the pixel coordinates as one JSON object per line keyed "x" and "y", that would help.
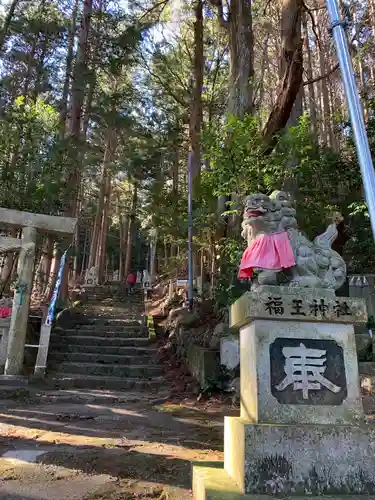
{"x": 254, "y": 213}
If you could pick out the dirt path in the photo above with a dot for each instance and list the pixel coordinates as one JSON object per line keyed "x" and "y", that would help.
{"x": 138, "y": 447}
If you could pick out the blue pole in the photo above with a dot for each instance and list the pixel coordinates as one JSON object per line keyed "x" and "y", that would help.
{"x": 190, "y": 233}
{"x": 355, "y": 108}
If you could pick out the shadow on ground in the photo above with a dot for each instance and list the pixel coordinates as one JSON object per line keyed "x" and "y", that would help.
{"x": 129, "y": 442}
{"x": 188, "y": 427}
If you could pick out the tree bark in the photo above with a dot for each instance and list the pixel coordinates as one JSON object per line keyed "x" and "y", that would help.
{"x": 123, "y": 230}
{"x": 53, "y": 273}
{"x": 241, "y": 56}
{"x": 101, "y": 257}
{"x": 68, "y": 70}
{"x": 129, "y": 244}
{"x": 292, "y": 71}
{"x": 196, "y": 114}
{"x": 44, "y": 267}
{"x": 239, "y": 24}
{"x": 326, "y": 111}
{"x": 175, "y": 171}
{"x": 125, "y": 245}
{"x": 309, "y": 73}
{"x": 9, "y": 266}
{"x": 84, "y": 255}
{"x": 79, "y": 81}
{"x": 78, "y": 95}
{"x": 100, "y": 206}
{"x": 7, "y": 21}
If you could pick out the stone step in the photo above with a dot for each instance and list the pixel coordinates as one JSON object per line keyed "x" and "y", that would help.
{"x": 89, "y": 357}
{"x": 367, "y": 368}
{"x": 13, "y": 381}
{"x": 109, "y": 328}
{"x": 212, "y": 482}
{"x": 71, "y": 380}
{"x": 115, "y": 294}
{"x": 134, "y": 300}
{"x": 125, "y": 333}
{"x": 130, "y": 317}
{"x": 105, "y": 349}
{"x": 13, "y": 392}
{"x": 87, "y": 340}
{"x": 125, "y": 300}
{"x": 115, "y": 322}
{"x": 133, "y": 371}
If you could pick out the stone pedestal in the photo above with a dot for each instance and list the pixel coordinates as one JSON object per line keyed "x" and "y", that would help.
{"x": 230, "y": 352}
{"x": 301, "y": 428}
{"x": 91, "y": 278}
{"x": 273, "y": 388}
{"x": 300, "y": 459}
{"x": 146, "y": 280}
{"x": 4, "y": 336}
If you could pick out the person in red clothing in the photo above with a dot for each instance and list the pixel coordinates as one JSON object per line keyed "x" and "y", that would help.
{"x": 130, "y": 281}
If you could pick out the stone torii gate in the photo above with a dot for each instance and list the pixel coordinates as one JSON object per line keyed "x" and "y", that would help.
{"x": 29, "y": 223}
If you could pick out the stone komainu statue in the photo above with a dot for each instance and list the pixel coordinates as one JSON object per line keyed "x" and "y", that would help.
{"x": 280, "y": 253}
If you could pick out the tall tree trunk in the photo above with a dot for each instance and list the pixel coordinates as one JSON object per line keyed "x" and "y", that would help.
{"x": 68, "y": 69}
{"x": 129, "y": 244}
{"x": 44, "y": 267}
{"x": 239, "y": 23}
{"x": 123, "y": 228}
{"x": 79, "y": 80}
{"x": 88, "y": 103}
{"x": 125, "y": 232}
{"x": 78, "y": 95}
{"x": 7, "y": 22}
{"x": 241, "y": 55}
{"x": 326, "y": 111}
{"x": 85, "y": 247}
{"x": 76, "y": 245}
{"x": 309, "y": 74}
{"x": 196, "y": 115}
{"x": 42, "y": 48}
{"x": 9, "y": 264}
{"x": 101, "y": 259}
{"x": 263, "y": 66}
{"x": 100, "y": 206}
{"x": 292, "y": 70}
{"x": 175, "y": 170}
{"x": 359, "y": 61}
{"x": 53, "y": 273}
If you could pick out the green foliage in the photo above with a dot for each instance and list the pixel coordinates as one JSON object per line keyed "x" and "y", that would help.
{"x": 322, "y": 179}
{"x": 30, "y": 179}
{"x": 228, "y": 288}
{"x": 234, "y": 152}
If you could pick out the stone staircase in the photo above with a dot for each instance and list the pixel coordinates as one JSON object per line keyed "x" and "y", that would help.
{"x": 114, "y": 290}
{"x": 110, "y": 350}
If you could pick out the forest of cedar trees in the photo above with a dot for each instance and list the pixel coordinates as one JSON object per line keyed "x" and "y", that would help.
{"x": 102, "y": 100}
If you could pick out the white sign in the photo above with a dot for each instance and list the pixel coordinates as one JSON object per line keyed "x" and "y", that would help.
{"x": 304, "y": 368}
{"x": 182, "y": 282}
{"x": 92, "y": 277}
{"x": 146, "y": 280}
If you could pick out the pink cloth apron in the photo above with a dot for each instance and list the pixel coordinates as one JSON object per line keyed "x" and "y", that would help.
{"x": 5, "y": 312}
{"x": 268, "y": 251}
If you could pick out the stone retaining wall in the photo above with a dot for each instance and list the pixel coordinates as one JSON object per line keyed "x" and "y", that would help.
{"x": 203, "y": 364}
